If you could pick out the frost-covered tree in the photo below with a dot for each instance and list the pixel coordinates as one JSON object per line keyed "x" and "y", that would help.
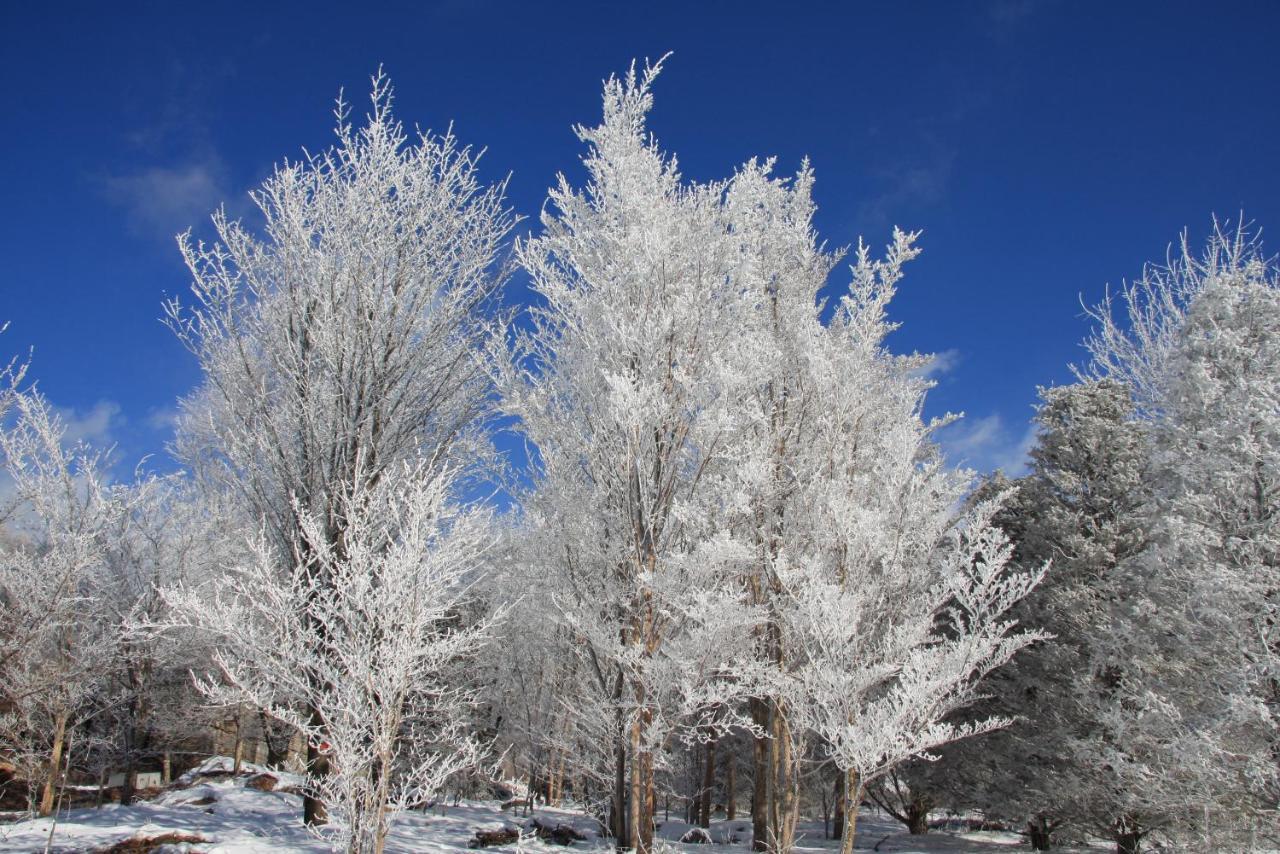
{"x": 533, "y": 685}
{"x": 81, "y": 562}
{"x": 920, "y": 644}
{"x": 1193, "y": 654}
{"x": 165, "y": 533}
{"x": 340, "y": 339}
{"x": 620, "y": 381}
{"x": 877, "y": 609}
{"x": 1153, "y": 709}
{"x": 1079, "y": 509}
{"x": 53, "y": 575}
{"x": 371, "y": 637}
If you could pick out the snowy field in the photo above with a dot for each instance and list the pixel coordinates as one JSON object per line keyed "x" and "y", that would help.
{"x": 227, "y": 816}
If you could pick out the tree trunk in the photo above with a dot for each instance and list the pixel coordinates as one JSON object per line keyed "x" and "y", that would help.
{"x": 1128, "y": 843}
{"x": 708, "y": 783}
{"x": 558, "y": 777}
{"x": 762, "y": 773}
{"x": 650, "y": 802}
{"x": 642, "y": 800}
{"x": 136, "y": 739}
{"x": 852, "y": 800}
{"x": 786, "y": 790}
{"x": 619, "y": 808}
{"x": 55, "y": 764}
{"x": 633, "y": 805}
{"x": 166, "y": 775}
{"x": 313, "y": 809}
{"x": 837, "y": 823}
{"x": 1128, "y": 836}
{"x": 1039, "y": 834}
{"x": 553, "y": 780}
{"x": 918, "y": 815}
{"x": 238, "y": 754}
{"x": 126, "y": 791}
{"x": 730, "y": 787}
{"x": 772, "y": 758}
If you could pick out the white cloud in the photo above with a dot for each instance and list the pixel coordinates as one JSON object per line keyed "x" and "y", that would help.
{"x": 95, "y": 426}
{"x": 164, "y": 418}
{"x": 987, "y": 444}
{"x": 939, "y": 364}
{"x": 907, "y": 186}
{"x": 164, "y": 200}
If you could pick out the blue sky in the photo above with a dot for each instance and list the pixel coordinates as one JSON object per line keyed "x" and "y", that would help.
{"x": 1045, "y": 148}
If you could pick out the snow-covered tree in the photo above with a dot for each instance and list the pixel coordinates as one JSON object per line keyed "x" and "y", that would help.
{"x": 1078, "y": 508}
{"x": 340, "y": 340}
{"x": 370, "y": 637}
{"x": 165, "y": 533}
{"x": 532, "y": 684}
{"x": 621, "y": 383}
{"x": 887, "y": 663}
{"x": 1193, "y": 654}
{"x": 54, "y": 640}
{"x": 877, "y": 608}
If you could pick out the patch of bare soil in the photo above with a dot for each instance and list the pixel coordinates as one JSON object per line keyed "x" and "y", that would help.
{"x": 262, "y": 782}
{"x": 147, "y": 844}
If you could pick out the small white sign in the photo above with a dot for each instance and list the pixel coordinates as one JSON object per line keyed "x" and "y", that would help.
{"x": 147, "y": 780}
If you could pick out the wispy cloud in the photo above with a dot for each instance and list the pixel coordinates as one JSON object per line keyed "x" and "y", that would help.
{"x": 161, "y": 201}
{"x": 940, "y": 364}
{"x": 907, "y": 185}
{"x": 171, "y": 175}
{"x": 164, "y": 418}
{"x": 987, "y": 444}
{"x": 96, "y": 426}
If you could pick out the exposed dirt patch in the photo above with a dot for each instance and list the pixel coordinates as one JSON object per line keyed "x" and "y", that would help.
{"x": 262, "y": 782}
{"x": 485, "y": 838}
{"x": 560, "y": 834}
{"x": 147, "y": 844}
{"x": 200, "y": 802}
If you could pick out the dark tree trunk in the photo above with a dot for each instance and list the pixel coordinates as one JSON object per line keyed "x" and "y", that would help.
{"x": 1128, "y": 843}
{"x": 1039, "y": 833}
{"x": 837, "y": 823}
{"x": 137, "y": 737}
{"x": 651, "y": 804}
{"x": 619, "y": 806}
{"x": 918, "y": 814}
{"x": 761, "y": 774}
{"x": 126, "y": 790}
{"x": 1128, "y": 835}
{"x": 730, "y": 786}
{"x": 708, "y": 783}
{"x": 313, "y": 809}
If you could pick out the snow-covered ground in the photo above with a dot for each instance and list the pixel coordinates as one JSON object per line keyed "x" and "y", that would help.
{"x": 232, "y": 817}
